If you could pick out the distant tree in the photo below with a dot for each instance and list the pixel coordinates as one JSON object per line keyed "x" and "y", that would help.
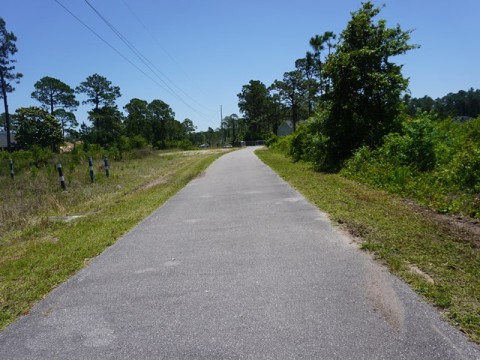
{"x": 174, "y": 130}
{"x": 37, "y": 127}
{"x": 138, "y": 120}
{"x": 67, "y": 120}
{"x": 292, "y": 91}
{"x": 53, "y": 93}
{"x": 306, "y": 66}
{"x": 414, "y": 105}
{"x": 210, "y": 136}
{"x": 108, "y": 126}
{"x": 366, "y": 96}
{"x": 161, "y": 113}
{"x": 99, "y": 91}
{"x": 7, "y": 72}
{"x": 230, "y": 128}
{"x": 253, "y": 102}
{"x": 188, "y": 127}
{"x": 318, "y": 43}
{"x": 3, "y": 122}
{"x": 462, "y": 103}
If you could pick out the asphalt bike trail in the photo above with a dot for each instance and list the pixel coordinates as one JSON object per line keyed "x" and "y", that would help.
{"x": 237, "y": 265}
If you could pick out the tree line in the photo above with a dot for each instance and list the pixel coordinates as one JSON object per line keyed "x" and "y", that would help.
{"x": 347, "y": 91}
{"x": 347, "y": 82}
{"x": 463, "y": 104}
{"x": 53, "y": 122}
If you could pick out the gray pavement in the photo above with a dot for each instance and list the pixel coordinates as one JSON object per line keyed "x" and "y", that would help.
{"x": 237, "y": 265}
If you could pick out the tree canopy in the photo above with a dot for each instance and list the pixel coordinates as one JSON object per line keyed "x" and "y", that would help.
{"x": 8, "y": 76}
{"x": 53, "y": 93}
{"x": 99, "y": 91}
{"x": 366, "y": 91}
{"x": 253, "y": 102}
{"x": 36, "y": 127}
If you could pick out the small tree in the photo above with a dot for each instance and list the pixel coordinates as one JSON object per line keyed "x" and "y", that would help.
{"x": 67, "y": 120}
{"x": 99, "y": 91}
{"x": 160, "y": 114}
{"x": 292, "y": 91}
{"x": 253, "y": 102}
{"x": 108, "y": 126}
{"x": 53, "y": 93}
{"x": 37, "y": 127}
{"x": 365, "y": 98}
{"x": 7, "y": 73}
{"x": 137, "y": 121}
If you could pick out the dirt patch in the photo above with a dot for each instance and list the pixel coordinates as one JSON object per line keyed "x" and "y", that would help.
{"x": 461, "y": 228}
{"x": 195, "y": 152}
{"x": 160, "y": 180}
{"x": 382, "y": 295}
{"x": 417, "y": 271}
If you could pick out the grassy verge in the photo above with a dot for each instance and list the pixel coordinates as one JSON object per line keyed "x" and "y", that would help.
{"x": 46, "y": 250}
{"x": 439, "y": 262}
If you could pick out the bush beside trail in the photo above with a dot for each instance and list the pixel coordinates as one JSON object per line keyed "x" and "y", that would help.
{"x": 434, "y": 162}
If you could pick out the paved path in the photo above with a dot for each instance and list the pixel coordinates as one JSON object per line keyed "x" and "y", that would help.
{"x": 236, "y": 266}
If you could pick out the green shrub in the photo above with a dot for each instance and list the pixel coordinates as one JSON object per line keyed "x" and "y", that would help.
{"x": 283, "y": 144}
{"x": 298, "y": 144}
{"x": 138, "y": 142}
{"x": 271, "y": 139}
{"x": 435, "y": 162}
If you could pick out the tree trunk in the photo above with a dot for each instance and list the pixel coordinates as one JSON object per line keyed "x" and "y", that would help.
{"x": 3, "y": 85}
{"x": 51, "y": 104}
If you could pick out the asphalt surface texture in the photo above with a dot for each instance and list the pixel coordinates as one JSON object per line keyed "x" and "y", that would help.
{"x": 237, "y": 265}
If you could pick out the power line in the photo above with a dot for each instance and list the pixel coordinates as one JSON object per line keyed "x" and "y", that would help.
{"x": 166, "y": 52}
{"x": 126, "y": 58}
{"x": 106, "y": 42}
{"x": 152, "y": 36}
{"x": 142, "y": 58}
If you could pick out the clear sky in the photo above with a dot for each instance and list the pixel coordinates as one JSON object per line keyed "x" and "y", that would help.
{"x": 205, "y": 50}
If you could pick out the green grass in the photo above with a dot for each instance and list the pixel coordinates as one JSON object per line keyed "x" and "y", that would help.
{"x": 39, "y": 250}
{"x": 401, "y": 235}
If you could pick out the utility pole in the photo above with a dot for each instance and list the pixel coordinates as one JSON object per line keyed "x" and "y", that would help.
{"x": 221, "y": 125}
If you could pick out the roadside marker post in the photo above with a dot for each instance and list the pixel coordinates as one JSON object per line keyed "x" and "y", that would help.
{"x": 61, "y": 177}
{"x": 107, "y": 168}
{"x": 92, "y": 174}
{"x": 12, "y": 172}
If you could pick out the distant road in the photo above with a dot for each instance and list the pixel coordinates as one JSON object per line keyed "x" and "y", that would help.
{"x": 237, "y": 265}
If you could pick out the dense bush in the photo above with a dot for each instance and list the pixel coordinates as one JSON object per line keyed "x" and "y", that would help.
{"x": 435, "y": 162}
{"x": 307, "y": 143}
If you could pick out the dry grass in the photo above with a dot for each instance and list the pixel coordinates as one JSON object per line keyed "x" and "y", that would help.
{"x": 47, "y": 234}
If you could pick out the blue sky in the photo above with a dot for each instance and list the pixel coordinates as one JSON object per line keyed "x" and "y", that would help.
{"x": 208, "y": 49}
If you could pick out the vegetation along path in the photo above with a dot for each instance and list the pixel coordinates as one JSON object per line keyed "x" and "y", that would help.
{"x": 237, "y": 265}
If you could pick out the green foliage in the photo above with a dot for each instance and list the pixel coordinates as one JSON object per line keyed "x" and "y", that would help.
{"x": 271, "y": 139}
{"x": 99, "y": 91}
{"x": 53, "y": 93}
{"x": 436, "y": 163}
{"x": 259, "y": 109}
{"x": 365, "y": 84}
{"x": 307, "y": 143}
{"x": 293, "y": 92}
{"x": 67, "y": 121}
{"x": 8, "y": 76}
{"x": 37, "y": 127}
{"x": 283, "y": 144}
{"x": 107, "y": 126}
{"x": 460, "y": 104}
{"x": 138, "y": 142}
